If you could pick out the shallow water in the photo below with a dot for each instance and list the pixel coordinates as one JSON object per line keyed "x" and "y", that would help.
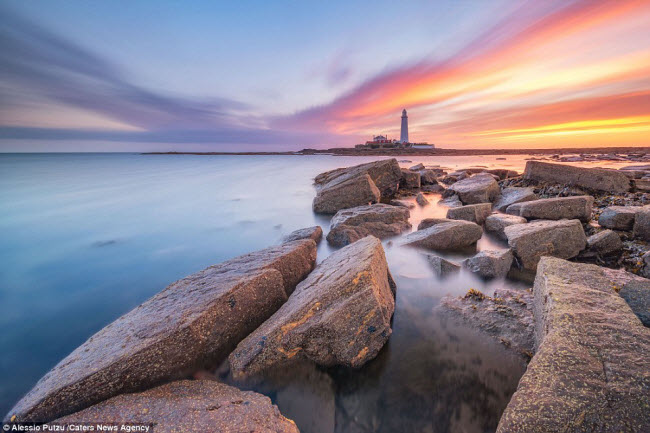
{"x": 87, "y": 237}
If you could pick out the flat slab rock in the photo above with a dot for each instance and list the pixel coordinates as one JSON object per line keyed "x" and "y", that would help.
{"x": 564, "y": 239}
{"x": 598, "y": 179}
{"x": 340, "y": 315}
{"x": 480, "y": 188}
{"x": 618, "y": 217}
{"x": 192, "y": 406}
{"x": 578, "y": 207}
{"x": 476, "y": 213}
{"x": 314, "y": 233}
{"x": 490, "y": 263}
{"x": 445, "y": 235}
{"x": 507, "y": 316}
{"x": 591, "y": 372}
{"x": 385, "y": 174}
{"x": 442, "y": 267}
{"x": 379, "y": 220}
{"x": 513, "y": 195}
{"x": 192, "y": 324}
{"x": 496, "y": 223}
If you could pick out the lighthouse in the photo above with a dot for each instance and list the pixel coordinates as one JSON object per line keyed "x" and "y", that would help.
{"x": 404, "y": 134}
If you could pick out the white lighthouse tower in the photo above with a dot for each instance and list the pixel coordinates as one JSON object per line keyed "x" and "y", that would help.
{"x": 404, "y": 134}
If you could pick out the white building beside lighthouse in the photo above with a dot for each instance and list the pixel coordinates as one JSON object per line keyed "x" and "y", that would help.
{"x": 404, "y": 133}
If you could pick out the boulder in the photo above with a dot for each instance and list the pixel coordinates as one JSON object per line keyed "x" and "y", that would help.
{"x": 448, "y": 235}
{"x": 357, "y": 191}
{"x": 314, "y": 233}
{"x": 417, "y": 167}
{"x": 379, "y": 220}
{"x": 442, "y": 267}
{"x": 605, "y": 242}
{"x": 513, "y": 195}
{"x": 480, "y": 188}
{"x": 339, "y": 315}
{"x": 591, "y": 370}
{"x": 636, "y": 293}
{"x": 385, "y": 174}
{"x": 645, "y": 263}
{"x": 598, "y": 179}
{"x": 437, "y": 189}
{"x": 496, "y": 223}
{"x": 189, "y": 406}
{"x": 452, "y": 201}
{"x": 403, "y": 203}
{"x": 421, "y": 199}
{"x": 555, "y": 208}
{"x": 194, "y": 323}
{"x": 564, "y": 239}
{"x": 641, "y": 228}
{"x": 476, "y": 213}
{"x": 428, "y": 177}
{"x": 428, "y": 222}
{"x": 642, "y": 185}
{"x": 410, "y": 179}
{"x": 490, "y": 263}
{"x": 507, "y": 316}
{"x": 618, "y": 217}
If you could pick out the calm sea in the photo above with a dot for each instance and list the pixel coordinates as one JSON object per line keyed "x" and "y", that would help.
{"x": 87, "y": 237}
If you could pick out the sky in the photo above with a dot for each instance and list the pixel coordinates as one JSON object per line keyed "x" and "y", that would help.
{"x": 119, "y": 75}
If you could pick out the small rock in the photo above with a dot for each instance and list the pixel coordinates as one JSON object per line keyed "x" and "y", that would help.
{"x": 452, "y": 201}
{"x": 618, "y": 217}
{"x": 417, "y": 167}
{"x": 314, "y": 233}
{"x": 496, "y": 223}
{"x": 403, "y": 203}
{"x": 442, "y": 267}
{"x": 476, "y": 213}
{"x": 514, "y": 195}
{"x": 437, "y": 189}
{"x": 428, "y": 222}
{"x": 641, "y": 228}
{"x": 490, "y": 263}
{"x": 379, "y": 220}
{"x": 354, "y": 192}
{"x": 421, "y": 199}
{"x": 428, "y": 177}
{"x": 410, "y": 179}
{"x": 450, "y": 235}
{"x": 605, "y": 242}
{"x": 480, "y": 188}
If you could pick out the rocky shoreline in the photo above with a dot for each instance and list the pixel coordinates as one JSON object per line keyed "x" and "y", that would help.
{"x": 580, "y": 234}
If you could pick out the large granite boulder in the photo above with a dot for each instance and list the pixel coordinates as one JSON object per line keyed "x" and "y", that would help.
{"x": 410, "y": 179}
{"x": 642, "y": 224}
{"x": 385, "y": 174}
{"x": 578, "y": 207}
{"x": 357, "y": 191}
{"x": 379, "y": 220}
{"x": 314, "y": 233}
{"x": 591, "y": 371}
{"x": 598, "y": 179}
{"x": 513, "y": 195}
{"x": 507, "y": 316}
{"x": 339, "y": 315}
{"x": 442, "y": 267}
{"x": 428, "y": 222}
{"x": 496, "y": 223}
{"x": 194, "y": 323}
{"x": 476, "y": 213}
{"x": 446, "y": 235}
{"x": 490, "y": 263}
{"x": 618, "y": 217}
{"x": 564, "y": 239}
{"x": 192, "y": 406}
{"x": 604, "y": 243}
{"x": 480, "y": 188}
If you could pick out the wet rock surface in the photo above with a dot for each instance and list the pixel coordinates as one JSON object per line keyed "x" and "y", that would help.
{"x": 314, "y": 233}
{"x": 618, "y": 217}
{"x": 446, "y": 235}
{"x": 564, "y": 239}
{"x": 189, "y": 406}
{"x": 496, "y": 223}
{"x": 357, "y": 191}
{"x": 340, "y": 315}
{"x": 421, "y": 199}
{"x": 490, "y": 263}
{"x": 506, "y": 316}
{"x": 604, "y": 242}
{"x": 193, "y": 323}
{"x": 476, "y": 213}
{"x": 591, "y": 371}
{"x": 442, "y": 267}
{"x": 579, "y": 207}
{"x": 598, "y": 179}
{"x": 480, "y": 188}
{"x": 379, "y": 220}
{"x": 514, "y": 195}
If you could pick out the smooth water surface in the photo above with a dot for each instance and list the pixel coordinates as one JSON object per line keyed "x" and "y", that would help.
{"x": 87, "y": 237}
